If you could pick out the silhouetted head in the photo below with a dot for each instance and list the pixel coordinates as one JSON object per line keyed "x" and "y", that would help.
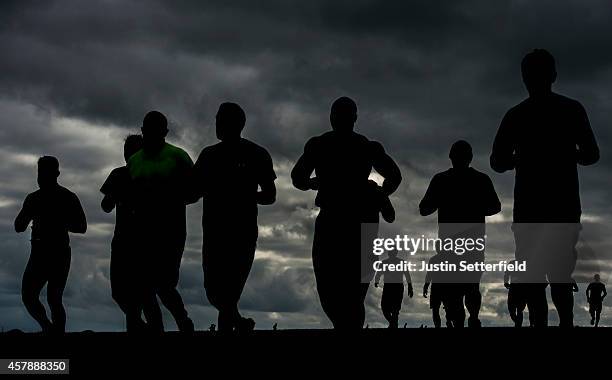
{"x": 597, "y": 278}
{"x": 132, "y": 144}
{"x": 48, "y": 171}
{"x": 154, "y": 130}
{"x": 539, "y": 72}
{"x": 230, "y": 121}
{"x": 343, "y": 114}
{"x": 461, "y": 154}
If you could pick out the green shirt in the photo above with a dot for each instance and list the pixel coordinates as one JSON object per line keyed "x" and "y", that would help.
{"x": 161, "y": 186}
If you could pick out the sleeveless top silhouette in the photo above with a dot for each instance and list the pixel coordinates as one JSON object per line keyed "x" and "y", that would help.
{"x": 54, "y": 212}
{"x": 544, "y": 139}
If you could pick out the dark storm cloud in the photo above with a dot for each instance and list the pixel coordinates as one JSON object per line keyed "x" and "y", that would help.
{"x": 75, "y": 77}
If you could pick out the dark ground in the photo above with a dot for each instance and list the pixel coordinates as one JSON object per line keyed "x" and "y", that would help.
{"x": 289, "y": 353}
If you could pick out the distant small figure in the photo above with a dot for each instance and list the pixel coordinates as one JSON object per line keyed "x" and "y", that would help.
{"x": 517, "y": 298}
{"x": 405, "y": 325}
{"x": 393, "y": 290}
{"x": 54, "y": 212}
{"x": 275, "y": 326}
{"x": 212, "y": 327}
{"x": 441, "y": 292}
{"x": 595, "y": 293}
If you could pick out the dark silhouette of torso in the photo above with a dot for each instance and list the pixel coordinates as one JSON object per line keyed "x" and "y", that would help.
{"x": 54, "y": 212}
{"x": 228, "y": 175}
{"x": 118, "y": 185}
{"x": 544, "y": 138}
{"x": 461, "y": 196}
{"x": 596, "y": 291}
{"x": 342, "y": 163}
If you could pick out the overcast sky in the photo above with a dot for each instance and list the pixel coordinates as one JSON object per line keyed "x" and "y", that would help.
{"x": 76, "y": 77}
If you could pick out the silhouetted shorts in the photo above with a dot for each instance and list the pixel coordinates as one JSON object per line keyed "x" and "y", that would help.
{"x": 227, "y": 258}
{"x": 436, "y": 296}
{"x": 49, "y": 264}
{"x": 595, "y": 307}
{"x": 549, "y": 250}
{"x": 162, "y": 260}
{"x": 517, "y": 297}
{"x": 392, "y": 297}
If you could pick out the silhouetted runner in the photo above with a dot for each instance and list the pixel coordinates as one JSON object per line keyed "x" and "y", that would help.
{"x": 462, "y": 196}
{"x": 517, "y": 297}
{"x": 125, "y": 263}
{"x": 444, "y": 293}
{"x": 160, "y": 174}
{"x": 54, "y": 211}
{"x": 228, "y": 176}
{"x": 543, "y": 139}
{"x": 595, "y": 293}
{"x": 342, "y": 161}
{"x": 393, "y": 290}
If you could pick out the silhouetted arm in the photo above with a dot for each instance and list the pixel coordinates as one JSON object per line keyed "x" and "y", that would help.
{"x": 587, "y": 151}
{"x": 409, "y": 282}
{"x": 108, "y": 203}
{"x": 23, "y": 219}
{"x": 266, "y": 177}
{"x": 187, "y": 176}
{"x": 605, "y": 293}
{"x": 197, "y": 178}
{"x": 503, "y": 153}
{"x": 491, "y": 200}
{"x": 386, "y": 210}
{"x": 267, "y": 194}
{"x": 426, "y": 284}
{"x": 77, "y": 223}
{"x": 429, "y": 203}
{"x": 300, "y": 175}
{"x": 377, "y": 278}
{"x": 386, "y": 167}
{"x": 588, "y": 293}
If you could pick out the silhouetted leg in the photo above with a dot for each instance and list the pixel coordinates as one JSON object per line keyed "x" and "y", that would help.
{"x": 152, "y": 311}
{"x": 561, "y": 262}
{"x": 454, "y": 305}
{"x": 592, "y": 312}
{"x": 598, "y": 314}
{"x": 124, "y": 288}
{"x": 563, "y": 298}
{"x": 435, "y": 314}
{"x": 537, "y": 304}
{"x": 473, "y": 301}
{"x": 34, "y": 279}
{"x": 362, "y": 311}
{"x": 323, "y": 265}
{"x": 55, "y": 288}
{"x": 172, "y": 300}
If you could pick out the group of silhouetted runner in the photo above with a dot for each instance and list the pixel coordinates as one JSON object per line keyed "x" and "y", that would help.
{"x": 542, "y": 139}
